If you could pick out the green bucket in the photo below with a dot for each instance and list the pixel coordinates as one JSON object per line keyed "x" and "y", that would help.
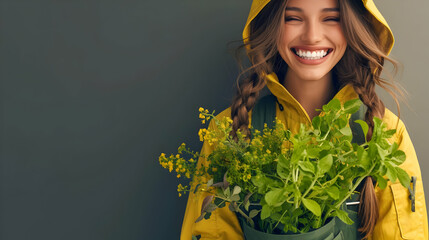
{"x": 335, "y": 229}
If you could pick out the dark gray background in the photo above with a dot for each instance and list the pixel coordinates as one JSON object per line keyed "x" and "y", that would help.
{"x": 92, "y": 91}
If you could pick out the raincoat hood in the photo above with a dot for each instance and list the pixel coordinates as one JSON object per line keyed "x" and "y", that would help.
{"x": 381, "y": 27}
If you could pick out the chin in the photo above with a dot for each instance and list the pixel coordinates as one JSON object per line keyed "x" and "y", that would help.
{"x": 312, "y": 77}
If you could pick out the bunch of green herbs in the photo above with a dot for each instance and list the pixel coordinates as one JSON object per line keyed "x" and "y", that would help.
{"x": 281, "y": 182}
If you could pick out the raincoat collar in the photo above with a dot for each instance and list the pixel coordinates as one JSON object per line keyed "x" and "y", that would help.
{"x": 283, "y": 95}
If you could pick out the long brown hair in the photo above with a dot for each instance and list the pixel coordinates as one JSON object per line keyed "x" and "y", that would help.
{"x": 360, "y": 66}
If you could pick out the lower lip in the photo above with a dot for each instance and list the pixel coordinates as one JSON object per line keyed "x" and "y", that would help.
{"x": 311, "y": 61}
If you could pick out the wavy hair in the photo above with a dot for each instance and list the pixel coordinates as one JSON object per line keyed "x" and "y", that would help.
{"x": 361, "y": 66}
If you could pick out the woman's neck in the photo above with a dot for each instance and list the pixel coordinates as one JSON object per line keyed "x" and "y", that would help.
{"x": 311, "y": 95}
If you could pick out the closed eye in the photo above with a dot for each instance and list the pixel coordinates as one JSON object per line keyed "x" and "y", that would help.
{"x": 333, "y": 19}
{"x": 289, "y": 19}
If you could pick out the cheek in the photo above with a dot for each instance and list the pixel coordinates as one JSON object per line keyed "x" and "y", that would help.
{"x": 284, "y": 41}
{"x": 339, "y": 37}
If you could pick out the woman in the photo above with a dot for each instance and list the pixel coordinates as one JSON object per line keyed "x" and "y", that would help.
{"x": 307, "y": 52}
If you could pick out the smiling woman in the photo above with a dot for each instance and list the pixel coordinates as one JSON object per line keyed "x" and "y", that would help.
{"x": 311, "y": 43}
{"x": 308, "y": 52}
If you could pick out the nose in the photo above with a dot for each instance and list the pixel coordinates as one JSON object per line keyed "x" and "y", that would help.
{"x": 313, "y": 32}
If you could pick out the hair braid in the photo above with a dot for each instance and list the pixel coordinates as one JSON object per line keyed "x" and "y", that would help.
{"x": 243, "y": 102}
{"x": 261, "y": 48}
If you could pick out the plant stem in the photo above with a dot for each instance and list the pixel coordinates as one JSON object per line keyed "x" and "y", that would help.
{"x": 280, "y": 219}
{"x": 311, "y": 186}
{"x": 247, "y": 217}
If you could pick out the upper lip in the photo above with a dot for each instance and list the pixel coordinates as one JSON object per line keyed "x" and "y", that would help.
{"x": 311, "y": 48}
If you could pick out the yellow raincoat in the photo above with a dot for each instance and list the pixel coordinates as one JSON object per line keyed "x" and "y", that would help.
{"x": 396, "y": 220}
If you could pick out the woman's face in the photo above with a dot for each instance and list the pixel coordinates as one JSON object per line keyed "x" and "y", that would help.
{"x": 312, "y": 41}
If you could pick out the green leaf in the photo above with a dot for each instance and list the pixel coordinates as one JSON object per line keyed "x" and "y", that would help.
{"x": 334, "y": 105}
{"x": 382, "y": 152}
{"x": 262, "y": 183}
{"x": 227, "y": 192}
{"x": 246, "y": 205}
{"x": 283, "y": 161}
{"x": 306, "y": 166}
{"x": 253, "y": 213}
{"x": 403, "y": 177}
{"x": 343, "y": 216}
{"x": 316, "y": 122}
{"x": 235, "y": 198}
{"x": 352, "y": 106}
{"x": 346, "y": 131}
{"x": 364, "y": 126}
{"x": 282, "y": 171}
{"x": 266, "y": 212}
{"x": 325, "y": 164}
{"x": 313, "y": 152}
{"x": 382, "y": 183}
{"x": 398, "y": 157}
{"x": 275, "y": 197}
{"x": 364, "y": 160}
{"x": 237, "y": 190}
{"x": 391, "y": 173}
{"x": 389, "y": 133}
{"x": 313, "y": 206}
{"x": 333, "y": 192}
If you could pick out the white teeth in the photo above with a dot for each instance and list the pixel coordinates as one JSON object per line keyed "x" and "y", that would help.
{"x": 311, "y": 55}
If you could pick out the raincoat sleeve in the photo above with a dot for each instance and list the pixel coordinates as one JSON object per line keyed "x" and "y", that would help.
{"x": 222, "y": 224}
{"x": 396, "y": 220}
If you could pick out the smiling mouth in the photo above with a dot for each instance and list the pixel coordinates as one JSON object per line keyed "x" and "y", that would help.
{"x": 311, "y": 55}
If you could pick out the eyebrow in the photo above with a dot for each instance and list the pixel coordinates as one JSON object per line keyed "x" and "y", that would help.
{"x": 323, "y": 10}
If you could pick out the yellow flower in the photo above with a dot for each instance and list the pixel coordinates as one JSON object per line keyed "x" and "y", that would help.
{"x": 201, "y": 109}
{"x": 214, "y": 169}
{"x": 180, "y": 194}
{"x": 191, "y": 160}
{"x": 170, "y": 166}
{"x": 268, "y": 151}
{"x": 203, "y": 121}
{"x": 181, "y": 147}
{"x": 202, "y": 133}
{"x": 178, "y": 175}
{"x": 188, "y": 175}
{"x": 201, "y": 116}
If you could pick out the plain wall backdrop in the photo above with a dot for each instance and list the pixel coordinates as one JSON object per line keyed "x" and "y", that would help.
{"x": 92, "y": 91}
